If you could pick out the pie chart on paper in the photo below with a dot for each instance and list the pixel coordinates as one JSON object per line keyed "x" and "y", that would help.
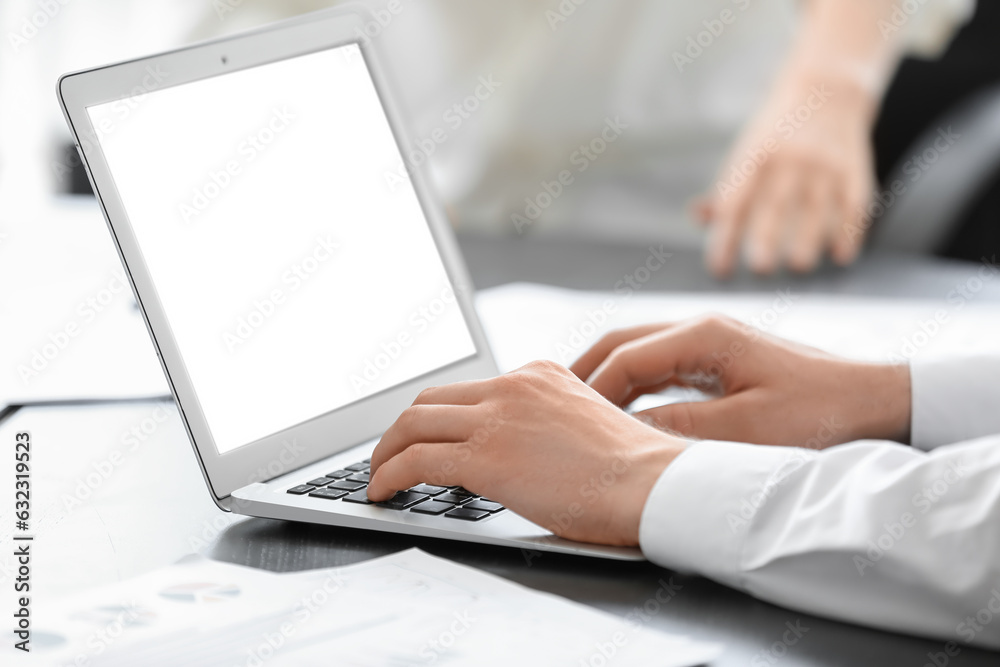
{"x": 200, "y": 593}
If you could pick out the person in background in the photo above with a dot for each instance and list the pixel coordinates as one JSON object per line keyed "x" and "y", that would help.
{"x": 694, "y": 90}
{"x": 759, "y": 111}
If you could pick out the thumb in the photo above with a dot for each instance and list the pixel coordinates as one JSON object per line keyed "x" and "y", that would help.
{"x": 717, "y": 419}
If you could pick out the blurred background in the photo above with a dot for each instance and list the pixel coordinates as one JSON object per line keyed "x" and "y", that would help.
{"x": 520, "y": 87}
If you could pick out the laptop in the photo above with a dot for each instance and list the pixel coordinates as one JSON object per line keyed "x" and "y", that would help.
{"x": 298, "y": 292}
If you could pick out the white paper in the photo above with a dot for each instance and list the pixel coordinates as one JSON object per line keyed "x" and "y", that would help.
{"x": 526, "y": 322}
{"x": 409, "y": 608}
{"x": 71, "y": 328}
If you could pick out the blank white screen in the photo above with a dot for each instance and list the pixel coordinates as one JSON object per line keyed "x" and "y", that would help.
{"x": 295, "y": 281}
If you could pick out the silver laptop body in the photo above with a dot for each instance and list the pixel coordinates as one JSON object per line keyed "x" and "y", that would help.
{"x": 297, "y": 279}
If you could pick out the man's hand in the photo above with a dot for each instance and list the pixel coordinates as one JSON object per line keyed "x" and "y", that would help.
{"x": 767, "y": 391}
{"x": 537, "y": 440}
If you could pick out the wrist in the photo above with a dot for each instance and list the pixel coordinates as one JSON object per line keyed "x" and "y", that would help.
{"x": 840, "y": 87}
{"x": 650, "y": 465}
{"x": 883, "y": 402}
{"x": 843, "y": 40}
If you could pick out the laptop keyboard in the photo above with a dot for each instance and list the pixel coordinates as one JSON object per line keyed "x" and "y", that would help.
{"x": 350, "y": 483}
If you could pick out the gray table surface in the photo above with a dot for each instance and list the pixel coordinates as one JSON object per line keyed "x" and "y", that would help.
{"x": 703, "y": 609}
{"x": 583, "y": 264}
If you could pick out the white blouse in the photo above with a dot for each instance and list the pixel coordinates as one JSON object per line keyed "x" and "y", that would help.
{"x": 683, "y": 76}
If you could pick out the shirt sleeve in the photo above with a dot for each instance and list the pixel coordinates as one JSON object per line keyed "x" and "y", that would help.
{"x": 872, "y": 532}
{"x": 954, "y": 400}
{"x": 926, "y": 28}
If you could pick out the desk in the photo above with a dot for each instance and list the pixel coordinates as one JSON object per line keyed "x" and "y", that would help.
{"x": 157, "y": 508}
{"x": 584, "y": 265}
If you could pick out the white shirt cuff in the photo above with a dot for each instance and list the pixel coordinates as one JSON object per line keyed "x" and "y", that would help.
{"x": 697, "y": 516}
{"x": 954, "y": 400}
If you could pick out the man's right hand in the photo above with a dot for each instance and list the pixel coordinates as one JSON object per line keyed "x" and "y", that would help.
{"x": 764, "y": 390}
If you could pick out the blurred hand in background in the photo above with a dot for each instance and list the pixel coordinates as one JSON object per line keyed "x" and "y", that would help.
{"x": 798, "y": 181}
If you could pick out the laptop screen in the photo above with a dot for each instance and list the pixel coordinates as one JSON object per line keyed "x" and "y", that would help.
{"x": 296, "y": 271}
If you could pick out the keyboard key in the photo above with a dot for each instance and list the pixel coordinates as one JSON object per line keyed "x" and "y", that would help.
{"x": 368, "y": 461}
{"x": 329, "y": 494}
{"x": 462, "y": 492}
{"x": 403, "y": 500}
{"x": 429, "y": 489}
{"x": 362, "y": 477}
{"x": 339, "y": 474}
{"x": 450, "y": 497}
{"x": 301, "y": 489}
{"x": 344, "y": 485}
{"x": 483, "y": 506}
{"x": 359, "y": 497}
{"x": 358, "y": 467}
{"x": 432, "y": 507}
{"x": 320, "y": 481}
{"x": 466, "y": 515}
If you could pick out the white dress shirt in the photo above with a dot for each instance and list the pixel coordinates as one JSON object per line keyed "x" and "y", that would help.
{"x": 904, "y": 538}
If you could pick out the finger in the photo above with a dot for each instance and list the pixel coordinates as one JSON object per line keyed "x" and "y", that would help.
{"x": 727, "y": 229}
{"x": 849, "y": 236}
{"x": 436, "y": 463}
{"x": 426, "y": 423}
{"x": 810, "y": 233}
{"x": 770, "y": 218}
{"x": 718, "y": 419}
{"x": 592, "y": 358}
{"x": 458, "y": 393}
{"x": 656, "y": 359}
{"x": 703, "y": 210}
